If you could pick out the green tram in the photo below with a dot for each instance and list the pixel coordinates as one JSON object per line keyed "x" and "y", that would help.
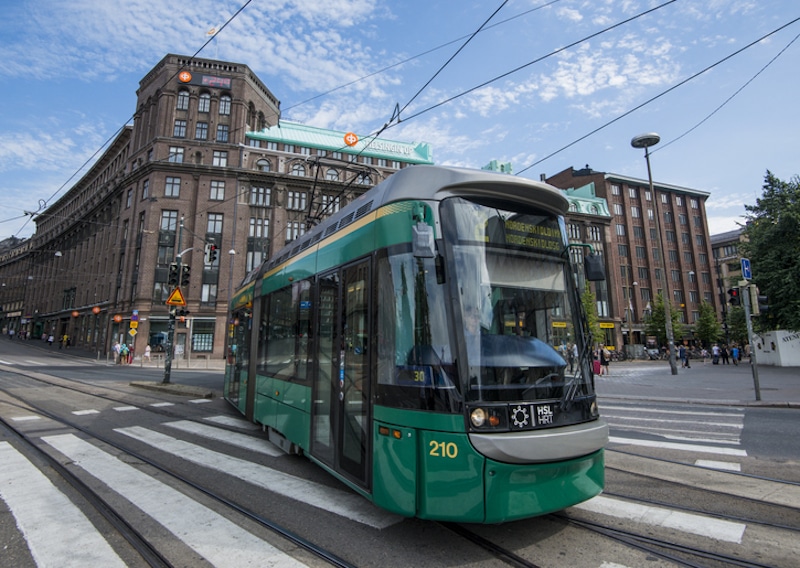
{"x": 412, "y": 346}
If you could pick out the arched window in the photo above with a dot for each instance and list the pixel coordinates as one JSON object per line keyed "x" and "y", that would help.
{"x": 298, "y": 170}
{"x": 204, "y": 104}
{"x": 183, "y": 100}
{"x": 225, "y": 104}
{"x": 263, "y": 165}
{"x": 332, "y": 175}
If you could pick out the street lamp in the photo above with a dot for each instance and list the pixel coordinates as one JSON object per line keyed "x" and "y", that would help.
{"x": 645, "y": 141}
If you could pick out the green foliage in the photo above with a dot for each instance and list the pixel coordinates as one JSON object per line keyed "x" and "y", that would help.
{"x": 707, "y": 328}
{"x": 589, "y": 302}
{"x": 773, "y": 247}
{"x": 656, "y": 322}
{"x": 737, "y": 325}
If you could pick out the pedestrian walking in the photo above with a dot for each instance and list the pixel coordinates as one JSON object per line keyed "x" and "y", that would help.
{"x": 683, "y": 353}
{"x": 146, "y": 356}
{"x": 735, "y": 355}
{"x": 724, "y": 354}
{"x": 115, "y": 350}
{"x": 605, "y": 359}
{"x": 50, "y": 340}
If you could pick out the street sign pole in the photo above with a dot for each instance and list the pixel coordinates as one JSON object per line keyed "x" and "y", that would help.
{"x": 745, "y": 287}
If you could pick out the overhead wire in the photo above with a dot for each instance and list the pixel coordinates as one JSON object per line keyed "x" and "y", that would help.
{"x": 659, "y": 95}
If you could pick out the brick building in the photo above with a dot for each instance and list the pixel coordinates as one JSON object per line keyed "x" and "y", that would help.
{"x": 631, "y": 247}
{"x": 206, "y": 161}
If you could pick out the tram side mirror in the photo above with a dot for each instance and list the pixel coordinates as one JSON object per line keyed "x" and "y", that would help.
{"x": 594, "y": 268}
{"x": 422, "y": 241}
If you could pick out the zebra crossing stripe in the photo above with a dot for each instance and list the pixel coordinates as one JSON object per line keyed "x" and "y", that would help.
{"x": 215, "y": 538}
{"x": 50, "y": 522}
{"x": 260, "y": 445}
{"x": 343, "y": 503}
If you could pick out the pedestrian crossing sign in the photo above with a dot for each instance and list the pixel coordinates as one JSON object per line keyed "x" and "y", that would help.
{"x": 176, "y": 298}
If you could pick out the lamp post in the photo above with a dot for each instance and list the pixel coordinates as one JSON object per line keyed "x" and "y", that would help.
{"x": 631, "y": 345}
{"x": 645, "y": 141}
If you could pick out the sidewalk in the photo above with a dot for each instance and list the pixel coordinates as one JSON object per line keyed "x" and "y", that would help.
{"x": 703, "y": 384}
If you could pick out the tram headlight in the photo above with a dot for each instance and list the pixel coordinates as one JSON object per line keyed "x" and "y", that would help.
{"x": 489, "y": 418}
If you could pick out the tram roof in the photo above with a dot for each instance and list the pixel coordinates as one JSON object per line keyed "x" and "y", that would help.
{"x": 425, "y": 182}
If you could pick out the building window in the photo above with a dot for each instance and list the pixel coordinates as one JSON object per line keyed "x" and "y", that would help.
{"x": 260, "y": 196}
{"x": 643, "y": 274}
{"x": 636, "y": 213}
{"x": 201, "y": 131}
{"x": 638, "y": 231}
{"x": 671, "y": 236}
{"x": 214, "y": 224}
{"x": 673, "y": 255}
{"x": 288, "y": 148}
{"x": 679, "y": 201}
{"x": 294, "y": 229}
{"x": 179, "y": 130}
{"x": 303, "y": 150}
{"x": 263, "y": 165}
{"x": 220, "y": 158}
{"x": 641, "y": 252}
{"x": 208, "y": 294}
{"x": 574, "y": 231}
{"x": 175, "y": 155}
{"x": 332, "y": 175}
{"x": 686, "y": 238}
{"x": 129, "y": 199}
{"x": 651, "y": 215}
{"x": 222, "y": 133}
{"x": 296, "y": 200}
{"x": 298, "y": 170}
{"x": 272, "y": 146}
{"x": 183, "y": 100}
{"x": 204, "y": 103}
{"x": 217, "y": 190}
{"x": 687, "y": 257}
{"x": 330, "y": 204}
{"x": 700, "y": 240}
{"x": 225, "y": 104}
{"x": 169, "y": 220}
{"x": 632, "y": 192}
{"x": 146, "y": 189}
{"x": 615, "y": 189}
{"x": 618, "y": 209}
{"x": 623, "y": 250}
{"x": 364, "y": 179}
{"x": 259, "y": 227}
{"x": 336, "y": 155}
{"x": 693, "y": 203}
{"x": 172, "y": 187}
{"x": 254, "y": 143}
{"x": 648, "y": 196}
{"x": 683, "y": 219}
{"x": 203, "y": 336}
{"x": 620, "y": 230}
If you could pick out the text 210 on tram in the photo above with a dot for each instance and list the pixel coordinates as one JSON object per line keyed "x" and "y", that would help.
{"x": 412, "y": 345}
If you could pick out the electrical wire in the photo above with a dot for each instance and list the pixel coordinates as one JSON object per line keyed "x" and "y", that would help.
{"x": 658, "y": 96}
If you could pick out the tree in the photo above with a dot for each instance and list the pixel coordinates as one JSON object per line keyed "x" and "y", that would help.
{"x": 656, "y": 322}
{"x": 590, "y": 309}
{"x": 772, "y": 243}
{"x": 737, "y": 325}
{"x": 707, "y": 328}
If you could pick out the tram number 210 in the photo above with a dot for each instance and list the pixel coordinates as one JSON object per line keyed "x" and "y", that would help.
{"x": 443, "y": 449}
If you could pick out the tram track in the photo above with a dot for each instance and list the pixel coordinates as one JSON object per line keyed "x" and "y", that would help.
{"x": 146, "y": 549}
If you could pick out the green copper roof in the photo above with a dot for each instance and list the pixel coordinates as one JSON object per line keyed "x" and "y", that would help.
{"x": 584, "y": 200}
{"x": 333, "y": 140}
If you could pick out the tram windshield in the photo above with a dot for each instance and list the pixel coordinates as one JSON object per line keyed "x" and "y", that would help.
{"x": 514, "y": 304}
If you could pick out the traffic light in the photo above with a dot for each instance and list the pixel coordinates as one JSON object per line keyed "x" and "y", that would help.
{"x": 173, "y": 274}
{"x": 185, "y": 270}
{"x": 758, "y": 303}
{"x": 733, "y": 297}
{"x": 211, "y": 253}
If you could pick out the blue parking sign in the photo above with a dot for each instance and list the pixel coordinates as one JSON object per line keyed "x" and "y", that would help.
{"x": 746, "y": 272}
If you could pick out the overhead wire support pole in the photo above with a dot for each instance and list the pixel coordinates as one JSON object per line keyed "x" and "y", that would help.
{"x": 744, "y": 286}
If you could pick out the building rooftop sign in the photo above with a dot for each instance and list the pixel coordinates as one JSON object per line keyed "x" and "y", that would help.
{"x": 333, "y": 140}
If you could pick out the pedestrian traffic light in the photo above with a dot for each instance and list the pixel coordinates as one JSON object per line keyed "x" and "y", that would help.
{"x": 173, "y": 274}
{"x": 758, "y": 303}
{"x": 185, "y": 270}
{"x": 733, "y": 297}
{"x": 211, "y": 253}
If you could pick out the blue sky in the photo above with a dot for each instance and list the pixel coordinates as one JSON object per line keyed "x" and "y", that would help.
{"x": 548, "y": 76}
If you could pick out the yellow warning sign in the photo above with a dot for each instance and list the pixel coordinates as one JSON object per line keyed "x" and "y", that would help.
{"x": 176, "y": 298}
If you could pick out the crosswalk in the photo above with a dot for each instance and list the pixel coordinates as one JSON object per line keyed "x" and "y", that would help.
{"x": 46, "y": 518}
{"x": 715, "y": 432}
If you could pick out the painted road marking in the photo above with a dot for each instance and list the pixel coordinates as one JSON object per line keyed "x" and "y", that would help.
{"x": 343, "y": 503}
{"x": 717, "y": 529}
{"x": 234, "y": 422}
{"x": 50, "y": 522}
{"x": 25, "y": 418}
{"x": 218, "y": 540}
{"x": 125, "y": 408}
{"x": 727, "y": 466}
{"x": 676, "y": 446}
{"x": 260, "y": 445}
{"x": 85, "y": 412}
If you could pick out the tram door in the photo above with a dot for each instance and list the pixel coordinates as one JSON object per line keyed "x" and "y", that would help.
{"x": 340, "y": 422}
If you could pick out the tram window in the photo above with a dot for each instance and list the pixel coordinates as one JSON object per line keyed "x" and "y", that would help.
{"x": 280, "y": 360}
